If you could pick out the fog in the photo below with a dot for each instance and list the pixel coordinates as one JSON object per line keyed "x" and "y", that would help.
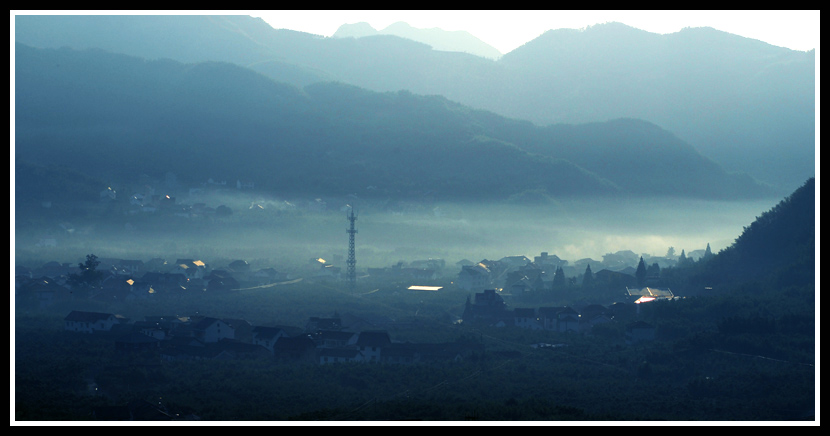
{"x": 268, "y": 231}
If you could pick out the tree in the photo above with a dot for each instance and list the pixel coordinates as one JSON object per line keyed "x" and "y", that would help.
{"x": 670, "y": 253}
{"x": 559, "y": 278}
{"x": 708, "y": 254}
{"x": 88, "y": 277}
{"x": 588, "y": 277}
{"x": 641, "y": 272}
{"x": 683, "y": 261}
{"x": 653, "y": 272}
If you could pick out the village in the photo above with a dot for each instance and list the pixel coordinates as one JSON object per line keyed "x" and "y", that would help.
{"x": 494, "y": 286}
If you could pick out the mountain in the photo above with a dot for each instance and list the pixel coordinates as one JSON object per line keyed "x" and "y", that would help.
{"x": 438, "y": 39}
{"x": 775, "y": 254}
{"x": 117, "y": 116}
{"x": 742, "y": 103}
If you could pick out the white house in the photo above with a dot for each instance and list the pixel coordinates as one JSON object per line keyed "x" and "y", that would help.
{"x": 212, "y": 330}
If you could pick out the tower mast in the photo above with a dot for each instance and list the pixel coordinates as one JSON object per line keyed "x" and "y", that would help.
{"x": 351, "y": 261}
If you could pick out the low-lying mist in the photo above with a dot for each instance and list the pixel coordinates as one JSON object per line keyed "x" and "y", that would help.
{"x": 272, "y": 232}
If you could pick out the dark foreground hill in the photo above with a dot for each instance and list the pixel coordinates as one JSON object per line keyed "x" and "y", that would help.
{"x": 775, "y": 255}
{"x": 117, "y": 117}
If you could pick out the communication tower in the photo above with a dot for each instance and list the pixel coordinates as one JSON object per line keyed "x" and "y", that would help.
{"x": 351, "y": 261}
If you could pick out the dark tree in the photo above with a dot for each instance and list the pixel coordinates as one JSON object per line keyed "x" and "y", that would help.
{"x": 708, "y": 254}
{"x": 588, "y": 277}
{"x": 559, "y": 278}
{"x": 89, "y": 277}
{"x": 641, "y": 273}
{"x": 682, "y": 260}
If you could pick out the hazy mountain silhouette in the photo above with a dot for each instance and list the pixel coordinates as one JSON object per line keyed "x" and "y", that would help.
{"x": 116, "y": 116}
{"x": 438, "y": 39}
{"x": 745, "y": 104}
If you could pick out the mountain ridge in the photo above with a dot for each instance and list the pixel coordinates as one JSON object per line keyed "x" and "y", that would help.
{"x": 329, "y": 137}
{"x": 753, "y": 113}
{"x": 437, "y": 38}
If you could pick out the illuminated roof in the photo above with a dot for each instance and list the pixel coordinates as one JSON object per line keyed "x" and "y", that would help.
{"x": 425, "y": 288}
{"x": 650, "y": 292}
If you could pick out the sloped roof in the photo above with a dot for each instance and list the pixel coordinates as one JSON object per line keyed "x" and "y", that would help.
{"x": 373, "y": 339}
{"x": 80, "y": 316}
{"x": 267, "y": 332}
{"x": 649, "y": 292}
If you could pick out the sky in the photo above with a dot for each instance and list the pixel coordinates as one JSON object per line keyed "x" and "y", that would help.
{"x": 507, "y": 30}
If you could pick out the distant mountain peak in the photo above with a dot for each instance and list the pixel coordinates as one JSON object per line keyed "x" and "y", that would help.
{"x": 355, "y": 30}
{"x": 438, "y": 39}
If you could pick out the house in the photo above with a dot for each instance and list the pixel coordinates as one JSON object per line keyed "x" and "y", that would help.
{"x": 152, "y": 329}
{"x": 212, "y": 330}
{"x": 547, "y": 317}
{"x": 649, "y": 292}
{"x": 130, "y": 267}
{"x": 41, "y": 292}
{"x": 192, "y": 269}
{"x": 89, "y": 322}
{"x": 560, "y": 319}
{"x": 333, "y": 338}
{"x": 371, "y": 343}
{"x": 487, "y": 307}
{"x": 513, "y": 262}
{"x": 473, "y": 277}
{"x": 221, "y": 281}
{"x": 242, "y": 329}
{"x": 567, "y": 320}
{"x": 239, "y": 266}
{"x": 526, "y": 318}
{"x": 267, "y": 336}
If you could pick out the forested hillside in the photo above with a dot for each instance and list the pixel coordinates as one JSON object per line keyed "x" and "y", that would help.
{"x": 746, "y": 105}
{"x": 774, "y": 256}
{"x": 118, "y": 116}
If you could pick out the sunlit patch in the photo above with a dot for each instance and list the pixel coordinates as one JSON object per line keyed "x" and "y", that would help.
{"x": 425, "y": 288}
{"x": 644, "y": 300}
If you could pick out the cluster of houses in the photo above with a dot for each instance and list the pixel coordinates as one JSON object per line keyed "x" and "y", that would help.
{"x": 489, "y": 308}
{"x": 323, "y": 340}
{"x": 519, "y": 275}
{"x": 124, "y": 280}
